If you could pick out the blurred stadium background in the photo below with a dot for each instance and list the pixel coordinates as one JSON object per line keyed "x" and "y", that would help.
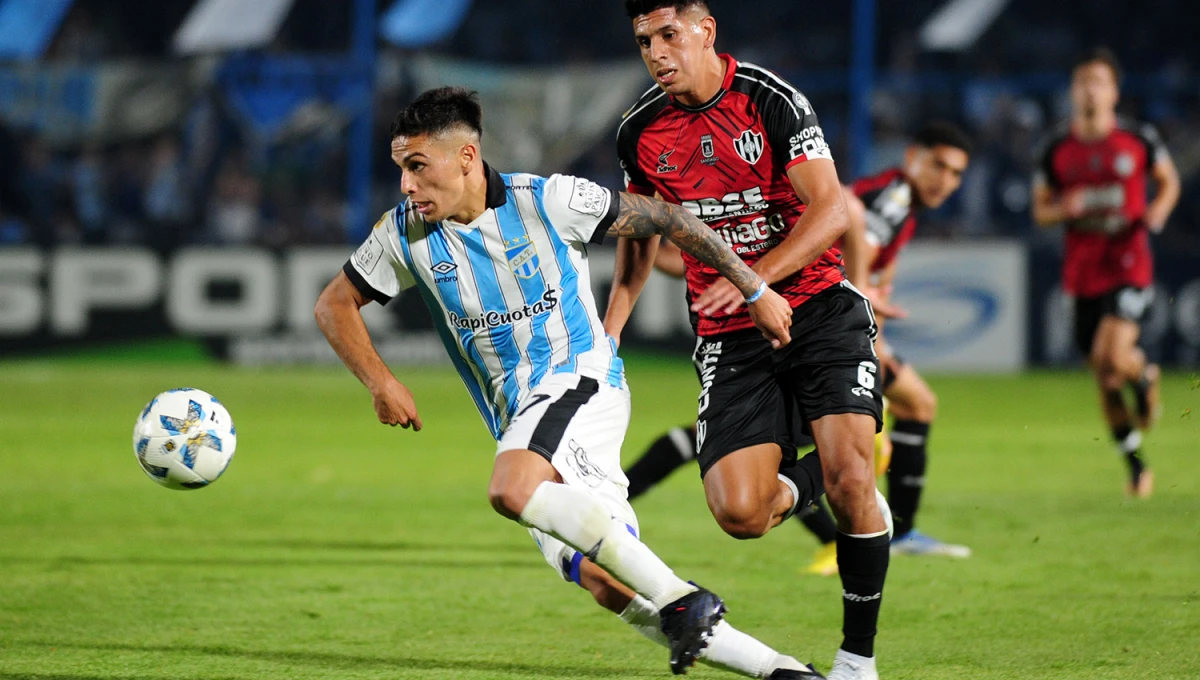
{"x": 135, "y": 138}
{"x": 179, "y": 179}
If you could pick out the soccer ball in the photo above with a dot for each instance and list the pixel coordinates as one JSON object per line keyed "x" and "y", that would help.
{"x": 184, "y": 439}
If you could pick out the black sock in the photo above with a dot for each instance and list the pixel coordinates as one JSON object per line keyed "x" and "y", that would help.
{"x": 906, "y": 476}
{"x": 1141, "y": 387}
{"x": 1129, "y": 441}
{"x": 863, "y": 565}
{"x": 667, "y": 453}
{"x": 806, "y": 478}
{"x": 817, "y": 519}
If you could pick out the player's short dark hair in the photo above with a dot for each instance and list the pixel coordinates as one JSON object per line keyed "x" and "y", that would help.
{"x": 943, "y": 133}
{"x": 636, "y": 8}
{"x": 1099, "y": 55}
{"x": 436, "y": 111}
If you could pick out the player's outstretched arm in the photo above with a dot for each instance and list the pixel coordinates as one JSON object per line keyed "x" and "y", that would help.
{"x": 338, "y": 316}
{"x": 642, "y": 217}
{"x": 635, "y": 259}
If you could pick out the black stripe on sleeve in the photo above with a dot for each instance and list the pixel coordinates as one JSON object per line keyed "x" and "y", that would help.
{"x": 550, "y": 429}
{"x": 363, "y": 287}
{"x": 614, "y": 206}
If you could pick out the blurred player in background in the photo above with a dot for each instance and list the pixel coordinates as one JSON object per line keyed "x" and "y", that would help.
{"x": 1094, "y": 177}
{"x": 743, "y": 150}
{"x": 883, "y": 212}
{"x": 498, "y": 260}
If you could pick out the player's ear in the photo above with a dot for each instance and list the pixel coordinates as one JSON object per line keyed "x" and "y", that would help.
{"x": 467, "y": 156}
{"x": 910, "y": 155}
{"x": 708, "y": 25}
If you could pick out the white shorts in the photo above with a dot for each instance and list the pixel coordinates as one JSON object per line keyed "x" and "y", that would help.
{"x": 578, "y": 424}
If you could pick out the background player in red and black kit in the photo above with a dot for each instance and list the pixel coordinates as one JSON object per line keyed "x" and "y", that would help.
{"x": 883, "y": 213}
{"x": 1094, "y": 178}
{"x": 743, "y": 150}
{"x": 883, "y": 219}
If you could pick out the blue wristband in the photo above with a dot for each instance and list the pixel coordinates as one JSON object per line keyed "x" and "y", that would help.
{"x": 762, "y": 289}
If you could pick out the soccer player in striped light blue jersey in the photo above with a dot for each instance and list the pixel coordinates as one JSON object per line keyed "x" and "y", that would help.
{"x": 501, "y": 262}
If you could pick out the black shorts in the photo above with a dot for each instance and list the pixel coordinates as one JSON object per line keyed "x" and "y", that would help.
{"x": 1127, "y": 302}
{"x": 751, "y": 394}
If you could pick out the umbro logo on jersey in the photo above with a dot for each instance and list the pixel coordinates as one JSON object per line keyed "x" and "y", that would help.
{"x": 663, "y": 168}
{"x": 749, "y": 146}
{"x": 443, "y": 271}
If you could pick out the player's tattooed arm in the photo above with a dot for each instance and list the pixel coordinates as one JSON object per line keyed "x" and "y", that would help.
{"x": 643, "y": 217}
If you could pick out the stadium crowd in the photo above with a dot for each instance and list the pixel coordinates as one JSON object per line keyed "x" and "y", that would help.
{"x": 205, "y": 180}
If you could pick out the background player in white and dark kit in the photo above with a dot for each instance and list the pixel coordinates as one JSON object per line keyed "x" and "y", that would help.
{"x": 501, "y": 262}
{"x": 743, "y": 150}
{"x": 1094, "y": 176}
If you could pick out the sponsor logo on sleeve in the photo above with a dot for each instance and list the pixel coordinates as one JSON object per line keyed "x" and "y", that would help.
{"x": 589, "y": 198}
{"x": 809, "y": 143}
{"x": 368, "y": 255}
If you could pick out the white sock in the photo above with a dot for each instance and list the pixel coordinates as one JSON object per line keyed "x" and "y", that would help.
{"x": 578, "y": 519}
{"x": 728, "y": 649}
{"x": 864, "y": 662}
{"x": 643, "y": 617}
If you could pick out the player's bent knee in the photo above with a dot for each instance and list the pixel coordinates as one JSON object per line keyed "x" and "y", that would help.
{"x": 506, "y": 500}
{"x": 743, "y": 520}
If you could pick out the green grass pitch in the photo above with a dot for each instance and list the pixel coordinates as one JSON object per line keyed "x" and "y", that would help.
{"x": 335, "y": 547}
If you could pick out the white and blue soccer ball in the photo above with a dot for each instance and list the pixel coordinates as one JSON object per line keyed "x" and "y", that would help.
{"x": 184, "y": 439}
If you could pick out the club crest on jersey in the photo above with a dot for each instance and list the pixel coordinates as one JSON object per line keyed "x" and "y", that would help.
{"x": 522, "y": 256}
{"x": 749, "y": 146}
{"x": 1123, "y": 164}
{"x": 708, "y": 150}
{"x": 663, "y": 157}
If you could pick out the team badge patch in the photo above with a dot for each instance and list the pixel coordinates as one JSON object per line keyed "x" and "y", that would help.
{"x": 749, "y": 146}
{"x": 522, "y": 256}
{"x": 1124, "y": 164}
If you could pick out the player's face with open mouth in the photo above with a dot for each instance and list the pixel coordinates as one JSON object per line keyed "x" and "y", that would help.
{"x": 672, "y": 45}
{"x": 432, "y": 178}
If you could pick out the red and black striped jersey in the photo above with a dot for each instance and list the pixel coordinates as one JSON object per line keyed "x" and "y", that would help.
{"x": 891, "y": 214}
{"x": 1109, "y": 247}
{"x": 727, "y": 162}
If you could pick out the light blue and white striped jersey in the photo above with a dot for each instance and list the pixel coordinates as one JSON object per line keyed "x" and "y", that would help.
{"x": 509, "y": 293}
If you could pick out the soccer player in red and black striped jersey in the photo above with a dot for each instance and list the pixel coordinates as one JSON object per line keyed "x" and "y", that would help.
{"x": 883, "y": 211}
{"x": 743, "y": 150}
{"x": 1095, "y": 177}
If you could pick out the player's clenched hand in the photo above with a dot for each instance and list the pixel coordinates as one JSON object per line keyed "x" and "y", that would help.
{"x": 721, "y": 298}
{"x": 773, "y": 316}
{"x": 394, "y": 405}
